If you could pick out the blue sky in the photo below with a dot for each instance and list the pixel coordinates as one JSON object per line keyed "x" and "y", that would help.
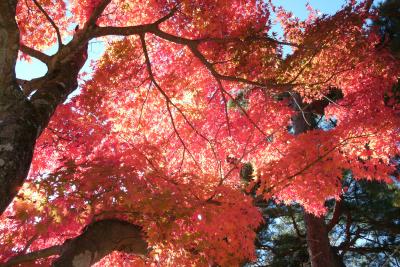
{"x": 298, "y": 7}
{"x": 29, "y": 70}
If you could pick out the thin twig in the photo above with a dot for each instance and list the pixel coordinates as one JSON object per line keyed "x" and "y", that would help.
{"x": 299, "y": 107}
{"x": 167, "y": 99}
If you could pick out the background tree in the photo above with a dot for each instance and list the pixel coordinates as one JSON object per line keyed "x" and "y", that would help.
{"x": 389, "y": 24}
{"x": 363, "y": 228}
{"x": 149, "y": 153}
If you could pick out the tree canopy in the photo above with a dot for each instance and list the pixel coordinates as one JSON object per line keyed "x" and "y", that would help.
{"x": 194, "y": 114}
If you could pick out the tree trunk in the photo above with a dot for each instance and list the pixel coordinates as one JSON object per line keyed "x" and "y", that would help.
{"x": 17, "y": 127}
{"x": 320, "y": 251}
{"x": 22, "y": 119}
{"x": 18, "y": 131}
{"x": 319, "y": 248}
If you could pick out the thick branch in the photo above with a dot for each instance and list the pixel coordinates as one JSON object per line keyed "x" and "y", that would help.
{"x": 96, "y": 241}
{"x": 132, "y": 30}
{"x": 252, "y": 38}
{"x": 54, "y": 88}
{"x": 35, "y": 53}
{"x": 32, "y": 256}
{"x": 192, "y": 44}
{"x": 100, "y": 239}
{"x": 80, "y": 40}
{"x": 122, "y": 31}
{"x": 98, "y": 10}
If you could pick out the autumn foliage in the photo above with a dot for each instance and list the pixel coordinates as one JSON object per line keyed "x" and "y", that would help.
{"x": 165, "y": 121}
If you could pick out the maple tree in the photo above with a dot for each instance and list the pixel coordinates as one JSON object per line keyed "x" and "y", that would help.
{"x": 147, "y": 158}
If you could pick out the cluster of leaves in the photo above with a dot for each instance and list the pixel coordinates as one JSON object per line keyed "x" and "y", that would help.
{"x": 148, "y": 138}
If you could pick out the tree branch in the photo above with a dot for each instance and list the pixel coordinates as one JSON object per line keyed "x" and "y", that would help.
{"x": 32, "y": 256}
{"x": 192, "y": 44}
{"x": 167, "y": 99}
{"x": 98, "y": 10}
{"x": 59, "y": 39}
{"x": 170, "y": 14}
{"x": 349, "y": 242}
{"x": 295, "y": 226}
{"x": 35, "y": 53}
{"x": 132, "y": 30}
{"x": 336, "y": 215}
{"x": 363, "y": 250}
{"x": 96, "y": 241}
{"x": 252, "y": 38}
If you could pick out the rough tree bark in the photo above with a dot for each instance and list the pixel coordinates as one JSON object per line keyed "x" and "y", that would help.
{"x": 96, "y": 241}
{"x": 16, "y": 124}
{"x": 319, "y": 248}
{"x": 22, "y": 119}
